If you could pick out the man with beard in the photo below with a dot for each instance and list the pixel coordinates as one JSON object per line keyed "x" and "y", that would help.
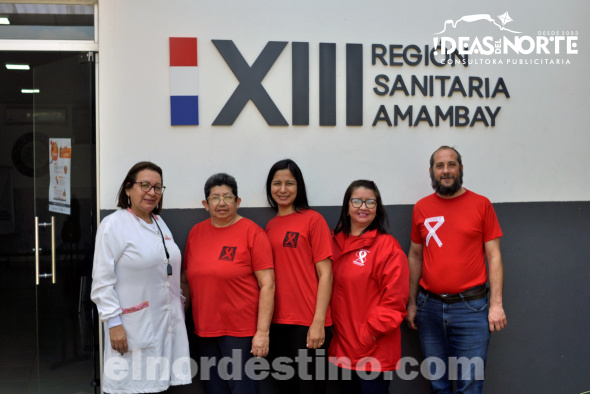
{"x": 453, "y": 231}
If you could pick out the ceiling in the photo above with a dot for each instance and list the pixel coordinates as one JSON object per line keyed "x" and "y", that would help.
{"x": 12, "y": 81}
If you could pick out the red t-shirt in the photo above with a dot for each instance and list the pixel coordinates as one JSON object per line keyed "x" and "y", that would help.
{"x": 298, "y": 241}
{"x": 220, "y": 264}
{"x": 453, "y": 232}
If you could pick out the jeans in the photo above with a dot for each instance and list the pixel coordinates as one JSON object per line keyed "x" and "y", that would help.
{"x": 454, "y": 340}
{"x": 226, "y": 377}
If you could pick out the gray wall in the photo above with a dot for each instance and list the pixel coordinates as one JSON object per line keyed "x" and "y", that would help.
{"x": 546, "y": 346}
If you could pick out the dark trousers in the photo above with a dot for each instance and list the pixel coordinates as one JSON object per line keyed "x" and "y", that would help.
{"x": 222, "y": 363}
{"x": 288, "y": 341}
{"x": 366, "y": 383}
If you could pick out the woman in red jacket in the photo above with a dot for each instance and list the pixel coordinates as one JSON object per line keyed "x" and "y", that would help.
{"x": 370, "y": 292}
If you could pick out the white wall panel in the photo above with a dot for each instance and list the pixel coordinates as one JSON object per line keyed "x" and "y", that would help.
{"x": 537, "y": 151}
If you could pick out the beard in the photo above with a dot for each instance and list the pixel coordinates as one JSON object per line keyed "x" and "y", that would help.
{"x": 439, "y": 188}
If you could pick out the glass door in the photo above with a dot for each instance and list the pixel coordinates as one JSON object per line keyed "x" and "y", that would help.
{"x": 49, "y": 343}
{"x": 63, "y": 113}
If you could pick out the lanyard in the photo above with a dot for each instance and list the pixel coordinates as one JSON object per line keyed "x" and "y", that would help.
{"x": 168, "y": 267}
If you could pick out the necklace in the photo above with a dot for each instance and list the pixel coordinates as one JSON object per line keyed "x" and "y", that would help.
{"x": 139, "y": 216}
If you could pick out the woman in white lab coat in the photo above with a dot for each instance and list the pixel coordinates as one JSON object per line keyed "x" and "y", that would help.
{"x": 136, "y": 288}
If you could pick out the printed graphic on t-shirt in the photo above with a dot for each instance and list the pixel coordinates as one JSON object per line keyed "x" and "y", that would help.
{"x": 228, "y": 253}
{"x": 361, "y": 257}
{"x": 439, "y": 220}
{"x": 290, "y": 240}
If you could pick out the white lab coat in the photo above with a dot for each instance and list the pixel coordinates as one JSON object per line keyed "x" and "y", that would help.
{"x": 130, "y": 269}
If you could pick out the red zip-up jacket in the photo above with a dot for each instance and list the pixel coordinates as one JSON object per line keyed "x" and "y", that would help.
{"x": 369, "y": 297}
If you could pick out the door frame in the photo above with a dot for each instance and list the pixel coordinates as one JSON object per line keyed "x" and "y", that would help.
{"x": 71, "y": 46}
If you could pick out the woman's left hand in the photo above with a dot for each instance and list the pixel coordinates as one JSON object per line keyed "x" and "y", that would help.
{"x": 260, "y": 344}
{"x": 316, "y": 335}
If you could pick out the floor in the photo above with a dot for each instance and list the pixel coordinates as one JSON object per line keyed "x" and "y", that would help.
{"x": 46, "y": 335}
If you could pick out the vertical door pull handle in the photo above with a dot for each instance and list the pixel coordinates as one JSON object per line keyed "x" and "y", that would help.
{"x": 36, "y": 250}
{"x": 53, "y": 249}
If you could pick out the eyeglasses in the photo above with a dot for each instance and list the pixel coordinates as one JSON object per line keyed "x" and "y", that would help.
{"x": 357, "y": 203}
{"x": 146, "y": 187}
{"x": 228, "y": 199}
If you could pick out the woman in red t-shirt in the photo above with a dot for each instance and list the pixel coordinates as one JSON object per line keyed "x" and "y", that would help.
{"x": 300, "y": 240}
{"x": 228, "y": 278}
{"x": 371, "y": 286}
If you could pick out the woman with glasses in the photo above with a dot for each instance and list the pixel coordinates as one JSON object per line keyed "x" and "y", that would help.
{"x": 371, "y": 279}
{"x": 301, "y": 244}
{"x": 230, "y": 278}
{"x": 136, "y": 289}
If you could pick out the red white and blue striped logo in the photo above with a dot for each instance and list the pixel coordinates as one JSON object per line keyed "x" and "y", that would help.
{"x": 184, "y": 81}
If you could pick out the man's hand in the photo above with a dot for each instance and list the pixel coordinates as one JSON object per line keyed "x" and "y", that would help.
{"x": 415, "y": 259}
{"x": 411, "y": 317}
{"x": 496, "y": 317}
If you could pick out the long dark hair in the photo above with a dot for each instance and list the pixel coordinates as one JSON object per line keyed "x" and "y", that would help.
{"x": 301, "y": 197}
{"x": 381, "y": 221}
{"x": 131, "y": 178}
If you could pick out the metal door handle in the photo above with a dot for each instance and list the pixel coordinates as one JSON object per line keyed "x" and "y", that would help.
{"x": 53, "y": 249}
{"x": 37, "y": 225}
{"x": 36, "y": 250}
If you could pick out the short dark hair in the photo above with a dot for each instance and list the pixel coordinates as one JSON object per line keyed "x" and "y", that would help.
{"x": 221, "y": 179}
{"x": 446, "y": 147}
{"x": 381, "y": 221}
{"x": 131, "y": 178}
{"x": 301, "y": 197}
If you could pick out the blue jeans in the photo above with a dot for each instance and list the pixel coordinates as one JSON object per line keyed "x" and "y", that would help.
{"x": 454, "y": 340}
{"x": 226, "y": 379}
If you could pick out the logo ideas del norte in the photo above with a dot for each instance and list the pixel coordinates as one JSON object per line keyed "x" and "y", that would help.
{"x": 391, "y": 83}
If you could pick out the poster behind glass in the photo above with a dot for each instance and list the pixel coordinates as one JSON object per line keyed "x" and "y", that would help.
{"x": 60, "y": 165}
